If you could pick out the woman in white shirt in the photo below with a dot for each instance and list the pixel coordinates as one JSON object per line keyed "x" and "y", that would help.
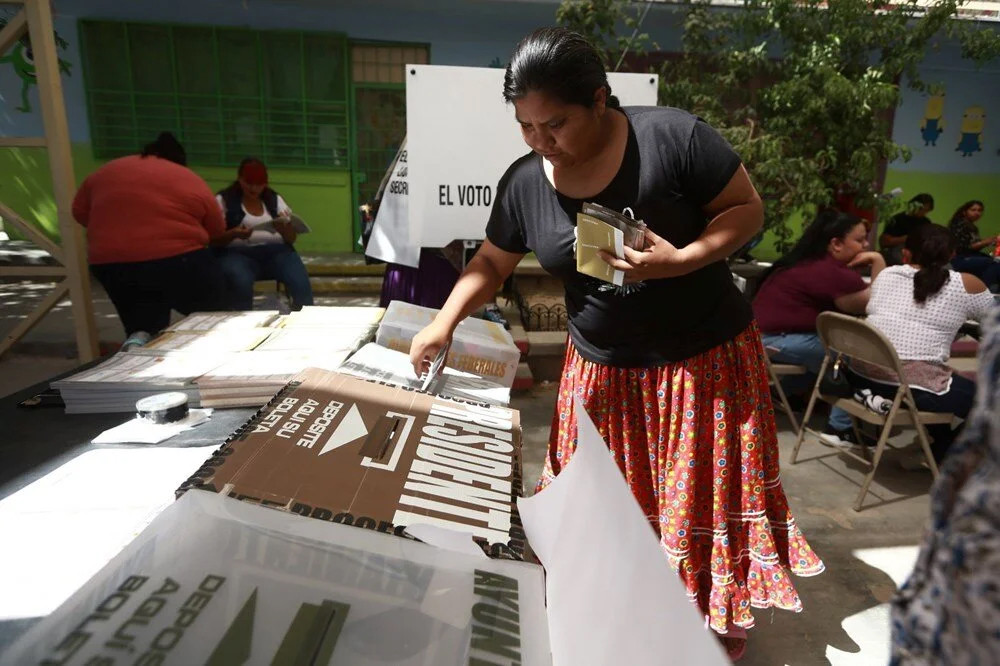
{"x": 920, "y": 306}
{"x": 257, "y": 244}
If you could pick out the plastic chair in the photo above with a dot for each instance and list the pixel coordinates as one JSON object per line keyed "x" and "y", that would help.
{"x": 853, "y": 338}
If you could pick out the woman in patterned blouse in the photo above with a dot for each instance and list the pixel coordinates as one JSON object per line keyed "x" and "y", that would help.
{"x": 919, "y": 307}
{"x": 969, "y": 257}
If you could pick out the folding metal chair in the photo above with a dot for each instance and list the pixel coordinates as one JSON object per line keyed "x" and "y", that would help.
{"x": 775, "y": 371}
{"x": 853, "y": 338}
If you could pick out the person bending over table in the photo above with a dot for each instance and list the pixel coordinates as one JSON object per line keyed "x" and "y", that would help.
{"x": 670, "y": 369}
{"x": 149, "y": 220}
{"x": 248, "y": 253}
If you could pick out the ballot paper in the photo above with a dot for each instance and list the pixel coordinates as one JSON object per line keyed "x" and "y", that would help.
{"x": 143, "y": 431}
{"x": 592, "y": 237}
{"x": 599, "y": 228}
{"x": 612, "y": 599}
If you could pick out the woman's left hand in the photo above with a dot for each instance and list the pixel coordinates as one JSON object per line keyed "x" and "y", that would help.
{"x": 283, "y": 226}
{"x": 658, "y": 259}
{"x": 866, "y": 258}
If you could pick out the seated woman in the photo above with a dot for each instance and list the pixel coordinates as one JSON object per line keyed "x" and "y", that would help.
{"x": 815, "y": 276}
{"x": 920, "y": 306}
{"x": 248, "y": 253}
{"x": 969, "y": 255}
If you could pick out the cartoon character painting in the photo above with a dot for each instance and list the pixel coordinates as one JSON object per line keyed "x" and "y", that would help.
{"x": 933, "y": 124}
{"x": 971, "y": 139}
{"x": 22, "y": 61}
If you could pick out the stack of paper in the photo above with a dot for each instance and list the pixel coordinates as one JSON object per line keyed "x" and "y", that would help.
{"x": 223, "y": 359}
{"x": 300, "y": 339}
{"x": 342, "y": 317}
{"x": 479, "y": 347}
{"x": 392, "y": 367}
{"x": 250, "y": 379}
{"x": 599, "y": 228}
{"x": 209, "y": 321}
{"x": 116, "y": 384}
{"x": 214, "y": 341}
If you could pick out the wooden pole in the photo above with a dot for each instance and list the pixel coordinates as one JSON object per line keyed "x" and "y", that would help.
{"x": 43, "y": 45}
{"x": 13, "y": 31}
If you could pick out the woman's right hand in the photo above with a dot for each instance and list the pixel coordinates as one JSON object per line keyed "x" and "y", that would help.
{"x": 239, "y": 232}
{"x": 426, "y": 345}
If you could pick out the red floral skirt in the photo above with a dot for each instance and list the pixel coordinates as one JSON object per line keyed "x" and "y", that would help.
{"x": 698, "y": 446}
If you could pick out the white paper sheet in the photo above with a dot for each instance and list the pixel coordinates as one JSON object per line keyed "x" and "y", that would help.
{"x": 442, "y": 537}
{"x": 64, "y": 527}
{"x": 141, "y": 431}
{"x": 612, "y": 596}
{"x": 392, "y": 232}
{"x": 264, "y": 578}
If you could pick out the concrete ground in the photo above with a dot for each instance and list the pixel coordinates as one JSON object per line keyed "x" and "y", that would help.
{"x": 867, "y": 554}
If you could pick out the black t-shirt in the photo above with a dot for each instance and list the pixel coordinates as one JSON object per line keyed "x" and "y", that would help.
{"x": 674, "y": 164}
{"x": 903, "y": 224}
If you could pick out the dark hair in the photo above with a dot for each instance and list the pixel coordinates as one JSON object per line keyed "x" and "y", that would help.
{"x": 829, "y": 224}
{"x": 931, "y": 247}
{"x": 558, "y": 62}
{"x": 964, "y": 208}
{"x": 925, "y": 200}
{"x": 167, "y": 147}
{"x": 235, "y": 185}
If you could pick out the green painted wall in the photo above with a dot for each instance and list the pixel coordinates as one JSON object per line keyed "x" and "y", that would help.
{"x": 321, "y": 198}
{"x": 950, "y": 190}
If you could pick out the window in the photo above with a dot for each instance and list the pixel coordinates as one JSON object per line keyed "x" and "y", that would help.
{"x": 384, "y": 63}
{"x": 227, "y": 93}
{"x": 379, "y": 76}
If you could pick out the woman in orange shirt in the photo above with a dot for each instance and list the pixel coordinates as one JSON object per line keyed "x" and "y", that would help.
{"x": 149, "y": 221}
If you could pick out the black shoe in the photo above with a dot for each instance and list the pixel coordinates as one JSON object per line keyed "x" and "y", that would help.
{"x": 840, "y": 439}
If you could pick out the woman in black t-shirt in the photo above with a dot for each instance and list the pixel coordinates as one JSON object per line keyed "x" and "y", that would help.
{"x": 671, "y": 369}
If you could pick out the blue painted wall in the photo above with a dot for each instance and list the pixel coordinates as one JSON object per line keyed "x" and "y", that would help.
{"x": 459, "y": 33}
{"x": 479, "y": 32}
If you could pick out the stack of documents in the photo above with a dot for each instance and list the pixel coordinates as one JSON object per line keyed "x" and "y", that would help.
{"x": 223, "y": 359}
{"x": 479, "y": 347}
{"x": 599, "y": 228}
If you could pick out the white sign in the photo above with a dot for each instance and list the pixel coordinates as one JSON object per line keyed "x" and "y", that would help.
{"x": 213, "y": 580}
{"x": 390, "y": 240}
{"x": 584, "y": 526}
{"x": 461, "y": 138}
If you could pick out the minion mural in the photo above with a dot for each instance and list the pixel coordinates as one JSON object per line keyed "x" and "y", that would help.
{"x": 933, "y": 124}
{"x": 971, "y": 138}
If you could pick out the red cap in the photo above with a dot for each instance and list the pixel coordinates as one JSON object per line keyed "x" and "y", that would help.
{"x": 254, "y": 173}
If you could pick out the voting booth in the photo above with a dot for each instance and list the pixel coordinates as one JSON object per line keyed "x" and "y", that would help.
{"x": 460, "y": 138}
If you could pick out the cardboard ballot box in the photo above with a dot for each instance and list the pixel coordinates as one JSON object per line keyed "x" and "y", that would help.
{"x": 480, "y": 347}
{"x": 388, "y": 366}
{"x": 362, "y": 453}
{"x": 216, "y": 581}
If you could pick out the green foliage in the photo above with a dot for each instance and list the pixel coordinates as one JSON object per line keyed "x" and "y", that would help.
{"x": 610, "y": 25}
{"x": 805, "y": 90}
